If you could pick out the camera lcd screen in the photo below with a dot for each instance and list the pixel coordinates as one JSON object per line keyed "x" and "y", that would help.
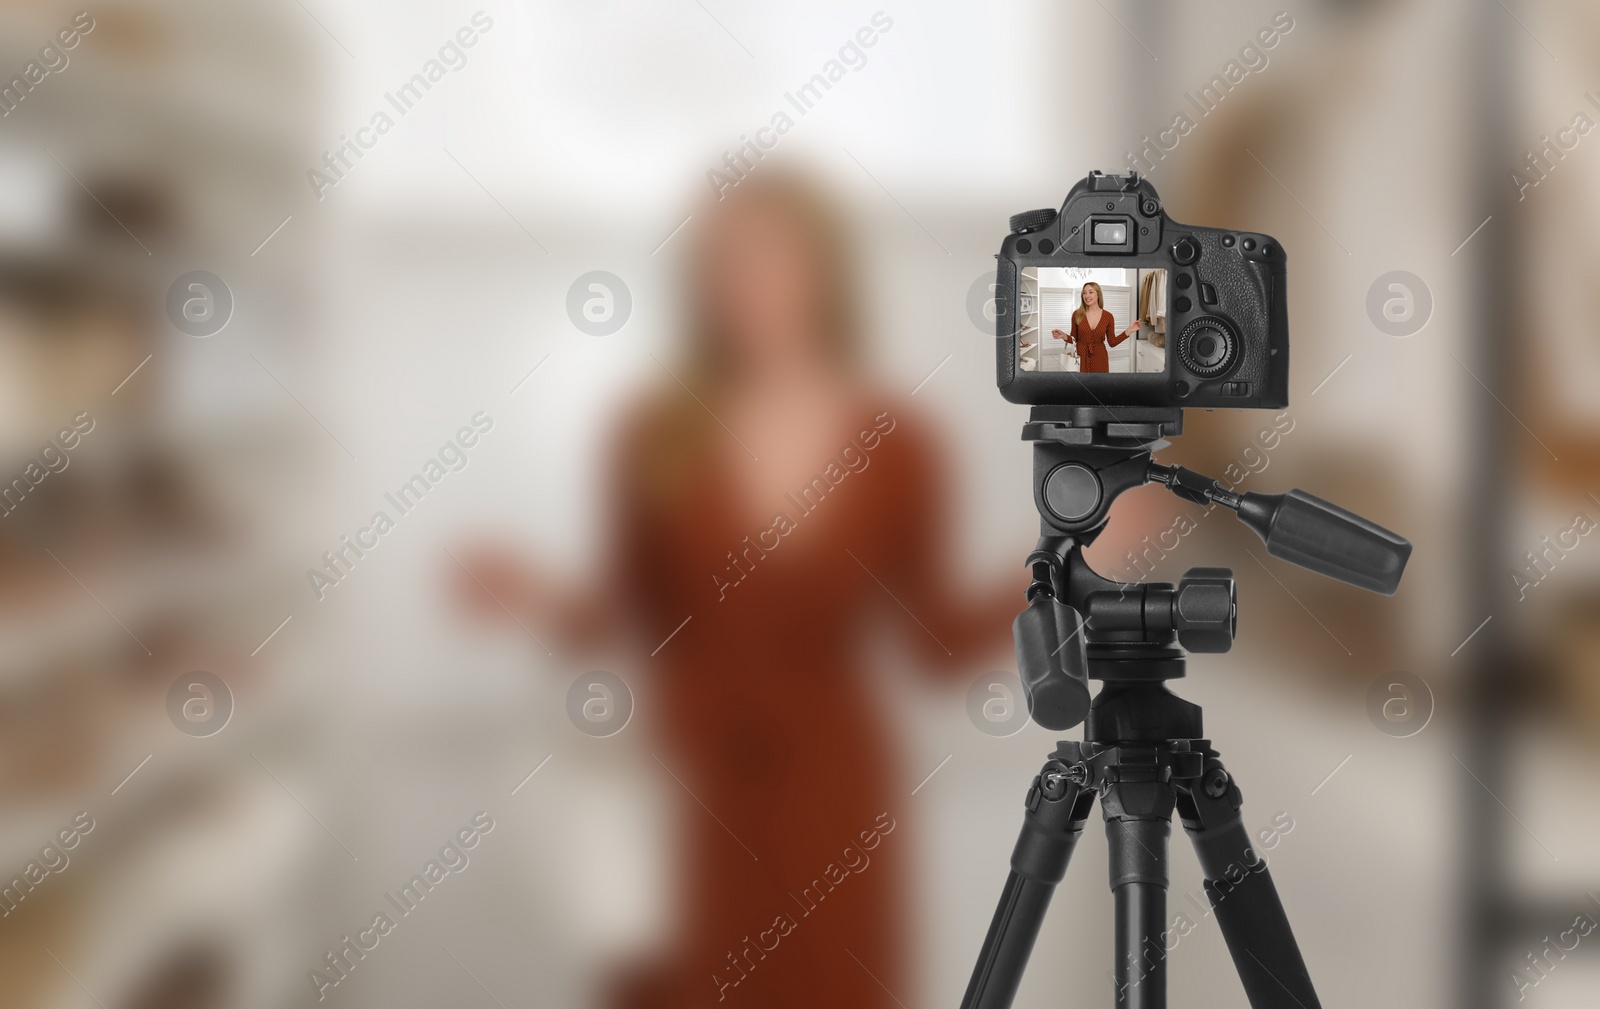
{"x": 1092, "y": 319}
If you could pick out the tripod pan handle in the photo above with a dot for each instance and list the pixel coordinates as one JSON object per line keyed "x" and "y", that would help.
{"x": 1320, "y": 536}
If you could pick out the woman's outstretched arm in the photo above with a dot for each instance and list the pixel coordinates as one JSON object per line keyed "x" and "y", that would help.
{"x": 961, "y": 625}
{"x": 1116, "y": 338}
{"x": 577, "y": 613}
{"x": 499, "y": 582}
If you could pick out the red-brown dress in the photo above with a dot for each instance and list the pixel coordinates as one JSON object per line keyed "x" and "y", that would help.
{"x": 768, "y": 716}
{"x": 1091, "y": 341}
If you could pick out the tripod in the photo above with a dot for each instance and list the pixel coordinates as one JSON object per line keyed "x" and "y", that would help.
{"x": 1143, "y": 753}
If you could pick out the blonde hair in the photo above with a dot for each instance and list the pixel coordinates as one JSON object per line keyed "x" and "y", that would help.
{"x": 673, "y": 429}
{"x": 815, "y": 220}
{"x": 1081, "y": 314}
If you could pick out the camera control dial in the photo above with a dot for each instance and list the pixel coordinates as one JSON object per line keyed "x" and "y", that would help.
{"x": 1031, "y": 220}
{"x": 1207, "y": 347}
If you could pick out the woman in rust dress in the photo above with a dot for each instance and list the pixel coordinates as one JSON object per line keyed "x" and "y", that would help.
{"x": 1092, "y": 329}
{"x": 786, "y": 510}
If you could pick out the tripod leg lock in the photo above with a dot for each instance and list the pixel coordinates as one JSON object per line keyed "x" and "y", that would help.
{"x": 1137, "y": 799}
{"x": 1057, "y": 807}
{"x": 1209, "y": 800}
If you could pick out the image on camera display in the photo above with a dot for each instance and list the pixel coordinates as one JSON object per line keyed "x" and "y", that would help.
{"x": 1092, "y": 319}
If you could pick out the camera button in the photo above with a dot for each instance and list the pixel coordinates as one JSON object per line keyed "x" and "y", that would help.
{"x": 1208, "y": 294}
{"x": 1185, "y": 251}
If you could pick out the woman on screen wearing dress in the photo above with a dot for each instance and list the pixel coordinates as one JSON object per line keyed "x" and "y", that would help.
{"x": 1092, "y": 329}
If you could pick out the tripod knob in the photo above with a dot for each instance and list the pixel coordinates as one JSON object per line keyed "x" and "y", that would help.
{"x": 1205, "y": 610}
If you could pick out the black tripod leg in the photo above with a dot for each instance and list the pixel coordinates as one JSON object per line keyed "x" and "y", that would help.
{"x": 1137, "y": 805}
{"x": 1057, "y": 807}
{"x": 1240, "y": 887}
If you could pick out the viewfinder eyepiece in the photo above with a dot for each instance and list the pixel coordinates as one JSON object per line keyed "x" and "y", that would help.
{"x": 1110, "y": 233}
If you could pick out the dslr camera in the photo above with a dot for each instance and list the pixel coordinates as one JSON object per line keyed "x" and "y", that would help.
{"x": 1213, "y": 323}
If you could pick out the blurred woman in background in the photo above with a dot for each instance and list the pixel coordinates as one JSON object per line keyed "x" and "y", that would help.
{"x": 782, "y": 508}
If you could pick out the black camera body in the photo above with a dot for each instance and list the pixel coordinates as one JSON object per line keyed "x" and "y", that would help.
{"x": 1219, "y": 335}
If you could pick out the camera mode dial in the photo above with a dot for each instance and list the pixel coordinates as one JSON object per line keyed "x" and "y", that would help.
{"x": 1031, "y": 220}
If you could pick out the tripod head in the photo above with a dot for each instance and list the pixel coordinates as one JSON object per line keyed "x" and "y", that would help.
{"x": 1080, "y": 626}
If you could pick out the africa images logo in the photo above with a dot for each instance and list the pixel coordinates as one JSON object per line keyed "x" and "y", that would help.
{"x": 452, "y": 457}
